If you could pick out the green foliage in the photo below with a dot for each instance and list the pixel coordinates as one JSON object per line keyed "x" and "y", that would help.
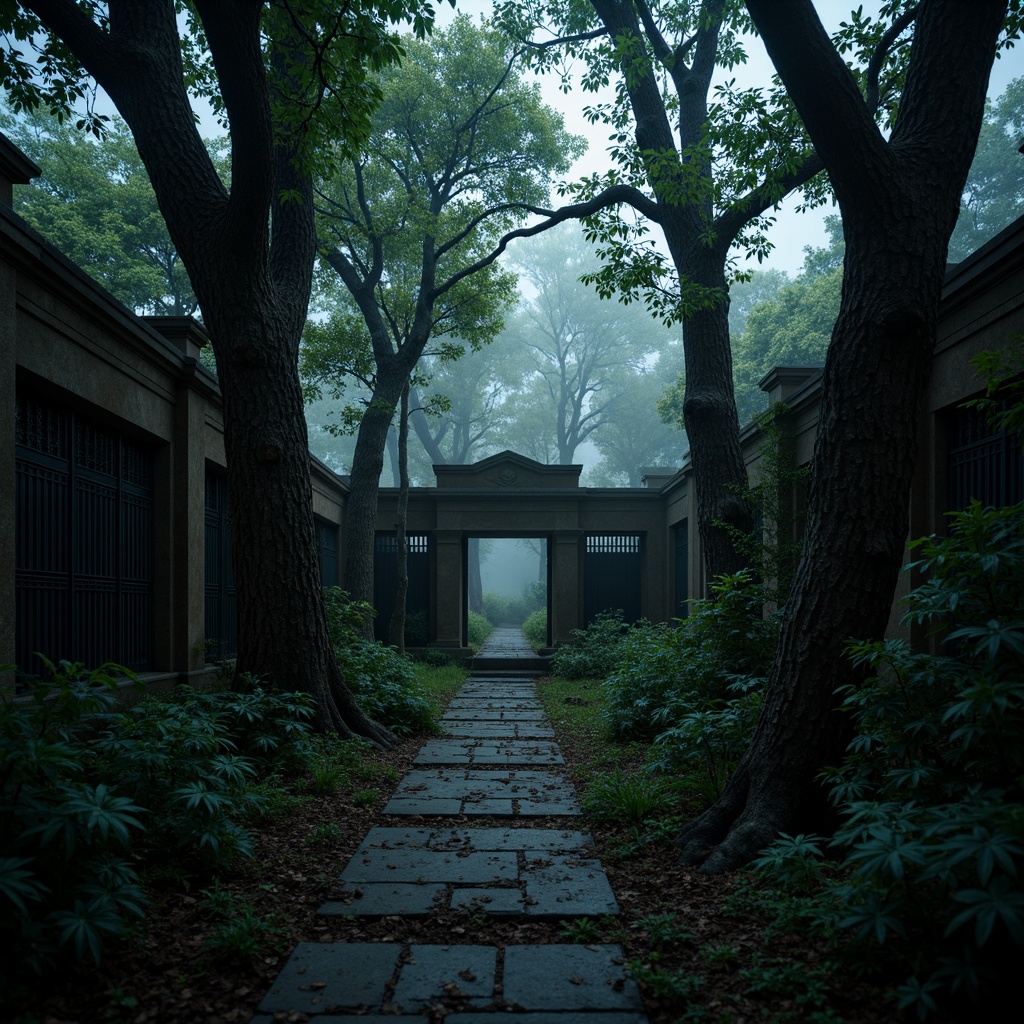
{"x": 666, "y": 673}
{"x": 382, "y": 679}
{"x": 535, "y": 628}
{"x": 94, "y": 201}
{"x": 479, "y": 629}
{"x": 239, "y": 934}
{"x": 931, "y": 791}
{"x": 67, "y": 884}
{"x": 593, "y": 652}
{"x": 508, "y": 610}
{"x": 632, "y": 800}
{"x": 1003, "y": 373}
{"x": 994, "y": 193}
{"x": 86, "y": 787}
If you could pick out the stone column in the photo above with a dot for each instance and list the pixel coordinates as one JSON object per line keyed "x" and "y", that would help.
{"x": 188, "y": 531}
{"x": 447, "y": 591}
{"x": 565, "y": 598}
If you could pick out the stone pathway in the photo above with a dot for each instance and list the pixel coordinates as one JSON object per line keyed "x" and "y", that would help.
{"x": 498, "y": 758}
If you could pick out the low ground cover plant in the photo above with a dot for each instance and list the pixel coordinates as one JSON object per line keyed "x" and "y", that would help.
{"x": 696, "y": 690}
{"x": 104, "y": 806}
{"x": 593, "y": 652}
{"x": 88, "y": 787}
{"x": 479, "y": 629}
{"x": 381, "y": 678}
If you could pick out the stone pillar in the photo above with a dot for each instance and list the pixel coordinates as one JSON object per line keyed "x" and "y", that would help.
{"x": 188, "y": 531}
{"x": 565, "y": 598}
{"x": 447, "y": 592}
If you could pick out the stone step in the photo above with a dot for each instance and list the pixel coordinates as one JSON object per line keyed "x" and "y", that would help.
{"x": 518, "y": 665}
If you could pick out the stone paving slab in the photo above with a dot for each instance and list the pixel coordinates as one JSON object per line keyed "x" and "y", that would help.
{"x": 471, "y": 1017}
{"x": 389, "y": 982}
{"x": 564, "y": 841}
{"x": 431, "y": 969}
{"x": 565, "y": 977}
{"x": 496, "y": 751}
{"x": 495, "y": 715}
{"x": 478, "y": 792}
{"x": 530, "y": 872}
{"x": 501, "y": 730}
{"x": 489, "y": 703}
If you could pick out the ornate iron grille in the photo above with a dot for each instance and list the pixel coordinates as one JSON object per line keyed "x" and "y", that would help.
{"x": 385, "y": 586}
{"x": 984, "y": 464}
{"x": 221, "y": 608}
{"x": 612, "y": 566}
{"x": 84, "y": 545}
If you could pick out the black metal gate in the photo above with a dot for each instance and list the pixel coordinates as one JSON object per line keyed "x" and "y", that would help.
{"x": 83, "y": 540}
{"x": 611, "y": 575}
{"x": 221, "y": 606}
{"x": 983, "y": 464}
{"x": 385, "y": 586}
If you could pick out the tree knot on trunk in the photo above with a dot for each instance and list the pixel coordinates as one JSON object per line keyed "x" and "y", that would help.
{"x": 269, "y": 452}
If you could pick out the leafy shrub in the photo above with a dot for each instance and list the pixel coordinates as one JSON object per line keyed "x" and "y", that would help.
{"x": 417, "y": 629}
{"x": 381, "y": 679}
{"x": 536, "y": 628}
{"x": 507, "y": 610}
{"x": 592, "y": 653}
{"x": 709, "y": 735}
{"x": 931, "y": 788}
{"x": 665, "y": 674}
{"x": 67, "y": 884}
{"x": 479, "y": 629}
{"x": 192, "y": 760}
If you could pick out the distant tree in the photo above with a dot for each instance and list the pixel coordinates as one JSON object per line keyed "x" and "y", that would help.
{"x": 744, "y": 295}
{"x": 461, "y": 148}
{"x": 636, "y": 437}
{"x": 994, "y": 194}
{"x": 575, "y": 349}
{"x": 95, "y": 202}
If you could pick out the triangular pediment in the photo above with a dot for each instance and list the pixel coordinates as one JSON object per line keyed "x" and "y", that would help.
{"x": 508, "y": 471}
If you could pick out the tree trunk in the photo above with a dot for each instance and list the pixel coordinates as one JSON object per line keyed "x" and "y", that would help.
{"x": 396, "y": 629}
{"x": 709, "y": 406}
{"x": 900, "y": 202}
{"x": 709, "y": 413}
{"x": 253, "y": 287}
{"x": 367, "y": 463}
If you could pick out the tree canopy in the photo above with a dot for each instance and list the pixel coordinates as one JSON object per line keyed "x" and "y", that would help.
{"x": 94, "y": 200}
{"x": 462, "y": 149}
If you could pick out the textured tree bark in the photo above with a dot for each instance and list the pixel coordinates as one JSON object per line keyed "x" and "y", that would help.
{"x": 899, "y": 201}
{"x": 253, "y": 287}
